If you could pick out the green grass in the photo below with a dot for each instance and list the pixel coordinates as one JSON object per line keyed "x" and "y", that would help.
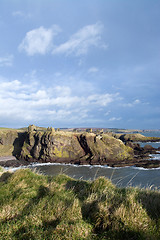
{"x": 34, "y": 206}
{"x": 1, "y": 170}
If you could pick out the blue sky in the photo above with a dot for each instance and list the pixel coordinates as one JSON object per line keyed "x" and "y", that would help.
{"x": 86, "y": 63}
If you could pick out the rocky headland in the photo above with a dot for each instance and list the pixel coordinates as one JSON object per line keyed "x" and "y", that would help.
{"x": 75, "y": 147}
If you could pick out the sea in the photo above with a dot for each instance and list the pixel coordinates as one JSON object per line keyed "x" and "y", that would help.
{"x": 121, "y": 176}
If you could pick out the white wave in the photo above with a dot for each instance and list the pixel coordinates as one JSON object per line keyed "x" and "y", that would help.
{"x": 144, "y": 169}
{"x": 45, "y": 164}
{"x": 78, "y": 166}
{"x": 74, "y": 165}
{"x": 148, "y": 142}
{"x": 154, "y": 157}
{"x": 33, "y": 165}
{"x": 61, "y": 164}
{"x": 13, "y": 169}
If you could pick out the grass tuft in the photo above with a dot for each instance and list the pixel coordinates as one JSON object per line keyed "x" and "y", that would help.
{"x": 34, "y": 206}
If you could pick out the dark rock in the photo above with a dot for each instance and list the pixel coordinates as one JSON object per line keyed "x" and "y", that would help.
{"x": 149, "y": 149}
{"x": 11, "y": 161}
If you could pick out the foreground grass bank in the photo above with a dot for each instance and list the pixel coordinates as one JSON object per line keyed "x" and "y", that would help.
{"x": 34, "y": 206}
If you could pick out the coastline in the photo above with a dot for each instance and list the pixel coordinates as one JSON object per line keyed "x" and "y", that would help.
{"x": 21, "y": 148}
{"x": 11, "y": 161}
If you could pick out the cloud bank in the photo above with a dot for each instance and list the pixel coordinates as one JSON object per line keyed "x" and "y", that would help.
{"x": 20, "y": 102}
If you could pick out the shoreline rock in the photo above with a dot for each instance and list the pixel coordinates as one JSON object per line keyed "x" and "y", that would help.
{"x": 134, "y": 162}
{"x": 11, "y": 161}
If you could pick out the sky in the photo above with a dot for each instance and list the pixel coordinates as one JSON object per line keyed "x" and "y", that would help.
{"x": 80, "y": 63}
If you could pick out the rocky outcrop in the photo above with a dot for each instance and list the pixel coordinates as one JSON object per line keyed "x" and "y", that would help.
{"x": 84, "y": 148}
{"x": 136, "y": 137}
{"x": 48, "y": 145}
{"x": 8, "y": 137}
{"x": 11, "y": 142}
{"x": 11, "y": 161}
{"x": 141, "y": 152}
{"x": 142, "y": 155}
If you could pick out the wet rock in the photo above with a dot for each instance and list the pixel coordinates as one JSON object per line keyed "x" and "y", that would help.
{"x": 11, "y": 161}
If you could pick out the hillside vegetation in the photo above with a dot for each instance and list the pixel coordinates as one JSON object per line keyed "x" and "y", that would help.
{"x": 34, "y": 206}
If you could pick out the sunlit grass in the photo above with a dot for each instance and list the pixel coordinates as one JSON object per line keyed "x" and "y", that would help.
{"x": 34, "y": 206}
{"x": 1, "y": 170}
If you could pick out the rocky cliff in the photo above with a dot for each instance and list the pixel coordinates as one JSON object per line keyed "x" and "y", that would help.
{"x": 11, "y": 142}
{"x": 67, "y": 147}
{"x": 48, "y": 145}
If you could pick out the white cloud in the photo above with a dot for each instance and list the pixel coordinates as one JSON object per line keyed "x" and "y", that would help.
{"x": 107, "y": 113}
{"x": 17, "y": 13}
{"x": 62, "y": 90}
{"x": 93, "y": 70}
{"x": 115, "y": 119}
{"x": 6, "y": 61}
{"x": 13, "y": 84}
{"x": 19, "y": 101}
{"x": 80, "y": 42}
{"x": 39, "y": 41}
{"x": 21, "y": 14}
{"x": 132, "y": 104}
{"x": 101, "y": 99}
{"x": 137, "y": 101}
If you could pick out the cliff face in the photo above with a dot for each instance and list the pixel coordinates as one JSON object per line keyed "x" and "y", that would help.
{"x": 11, "y": 142}
{"x": 7, "y": 139}
{"x": 84, "y": 148}
{"x": 48, "y": 145}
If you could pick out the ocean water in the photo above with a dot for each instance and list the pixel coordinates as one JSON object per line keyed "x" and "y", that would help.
{"x": 151, "y": 133}
{"x": 122, "y": 177}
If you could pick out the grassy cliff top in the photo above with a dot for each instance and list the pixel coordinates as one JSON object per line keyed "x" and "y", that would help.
{"x": 6, "y": 130}
{"x": 34, "y": 206}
